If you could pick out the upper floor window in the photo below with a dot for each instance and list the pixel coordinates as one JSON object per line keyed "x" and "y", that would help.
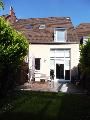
{"x": 60, "y": 35}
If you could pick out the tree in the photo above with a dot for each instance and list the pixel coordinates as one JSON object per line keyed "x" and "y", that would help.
{"x": 85, "y": 64}
{"x": 1, "y": 4}
{"x": 85, "y": 55}
{"x": 13, "y": 49}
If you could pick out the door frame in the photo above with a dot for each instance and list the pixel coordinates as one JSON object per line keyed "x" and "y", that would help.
{"x": 61, "y": 61}
{"x": 58, "y": 59}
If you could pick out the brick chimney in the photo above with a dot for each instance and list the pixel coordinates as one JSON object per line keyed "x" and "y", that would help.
{"x": 11, "y": 11}
{"x": 12, "y": 18}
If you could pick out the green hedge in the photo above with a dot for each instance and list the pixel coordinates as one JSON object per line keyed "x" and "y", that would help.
{"x": 13, "y": 49}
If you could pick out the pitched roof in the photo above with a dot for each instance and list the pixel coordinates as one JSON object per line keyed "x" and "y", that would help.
{"x": 83, "y": 30}
{"x": 6, "y": 16}
{"x": 30, "y": 28}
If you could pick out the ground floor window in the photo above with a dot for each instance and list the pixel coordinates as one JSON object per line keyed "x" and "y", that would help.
{"x": 67, "y": 74}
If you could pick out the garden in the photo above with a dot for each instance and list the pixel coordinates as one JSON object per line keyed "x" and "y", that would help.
{"x": 44, "y": 105}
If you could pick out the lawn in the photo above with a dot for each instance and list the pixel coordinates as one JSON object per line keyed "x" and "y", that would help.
{"x": 27, "y": 105}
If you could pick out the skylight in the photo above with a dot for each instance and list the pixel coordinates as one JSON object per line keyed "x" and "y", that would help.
{"x": 42, "y": 26}
{"x": 29, "y": 26}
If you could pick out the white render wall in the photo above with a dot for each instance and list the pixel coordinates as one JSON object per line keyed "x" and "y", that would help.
{"x": 43, "y": 51}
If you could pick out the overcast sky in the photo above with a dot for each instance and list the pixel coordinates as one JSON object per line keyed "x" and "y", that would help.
{"x": 78, "y": 10}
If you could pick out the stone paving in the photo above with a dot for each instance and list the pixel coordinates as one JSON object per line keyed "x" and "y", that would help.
{"x": 67, "y": 88}
{"x": 35, "y": 86}
{"x": 51, "y": 86}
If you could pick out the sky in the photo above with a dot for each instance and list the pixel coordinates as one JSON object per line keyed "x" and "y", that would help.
{"x": 78, "y": 10}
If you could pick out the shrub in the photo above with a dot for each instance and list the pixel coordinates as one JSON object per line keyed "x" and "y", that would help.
{"x": 85, "y": 64}
{"x": 13, "y": 49}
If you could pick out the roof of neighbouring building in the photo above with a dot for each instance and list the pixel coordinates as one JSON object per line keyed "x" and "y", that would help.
{"x": 83, "y": 30}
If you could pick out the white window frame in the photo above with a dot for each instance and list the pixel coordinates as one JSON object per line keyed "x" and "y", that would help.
{"x": 55, "y": 34}
{"x": 62, "y": 60}
{"x": 42, "y": 26}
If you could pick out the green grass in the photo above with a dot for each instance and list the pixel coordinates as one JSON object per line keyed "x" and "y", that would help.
{"x": 28, "y": 105}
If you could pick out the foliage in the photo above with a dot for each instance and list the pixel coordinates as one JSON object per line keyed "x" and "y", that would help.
{"x": 45, "y": 106}
{"x": 13, "y": 46}
{"x": 13, "y": 49}
{"x": 85, "y": 55}
{"x": 85, "y": 62}
{"x": 1, "y": 4}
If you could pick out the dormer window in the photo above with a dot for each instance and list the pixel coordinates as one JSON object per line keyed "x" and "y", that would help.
{"x": 42, "y": 26}
{"x": 60, "y": 35}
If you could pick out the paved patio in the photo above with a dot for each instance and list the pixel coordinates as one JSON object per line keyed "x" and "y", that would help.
{"x": 67, "y": 88}
{"x": 51, "y": 86}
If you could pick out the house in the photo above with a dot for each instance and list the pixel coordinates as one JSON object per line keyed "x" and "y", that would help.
{"x": 53, "y": 49}
{"x": 83, "y": 32}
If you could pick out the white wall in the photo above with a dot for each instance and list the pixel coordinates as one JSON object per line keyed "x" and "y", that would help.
{"x": 43, "y": 52}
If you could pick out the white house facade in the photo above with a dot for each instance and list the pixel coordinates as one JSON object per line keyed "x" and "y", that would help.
{"x": 60, "y": 59}
{"x": 53, "y": 46}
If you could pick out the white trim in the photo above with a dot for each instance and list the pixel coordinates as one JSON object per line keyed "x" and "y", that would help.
{"x": 42, "y": 26}
{"x": 58, "y": 60}
{"x": 55, "y": 35}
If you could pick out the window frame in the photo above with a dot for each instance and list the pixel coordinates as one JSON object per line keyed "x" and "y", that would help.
{"x": 55, "y": 36}
{"x": 42, "y": 26}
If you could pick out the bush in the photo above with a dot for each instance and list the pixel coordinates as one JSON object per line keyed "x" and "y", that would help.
{"x": 85, "y": 65}
{"x": 13, "y": 49}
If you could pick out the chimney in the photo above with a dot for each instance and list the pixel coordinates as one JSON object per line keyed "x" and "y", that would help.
{"x": 11, "y": 11}
{"x": 12, "y": 18}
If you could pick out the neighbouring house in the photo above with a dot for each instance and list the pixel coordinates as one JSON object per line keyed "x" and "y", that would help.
{"x": 54, "y": 46}
{"x": 83, "y": 32}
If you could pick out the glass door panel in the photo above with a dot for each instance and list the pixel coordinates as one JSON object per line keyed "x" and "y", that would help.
{"x": 59, "y": 71}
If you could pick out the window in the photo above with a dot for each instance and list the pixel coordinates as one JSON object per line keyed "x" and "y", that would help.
{"x": 37, "y": 63}
{"x": 59, "y": 53}
{"x": 60, "y": 35}
{"x": 52, "y": 53}
{"x": 52, "y": 64}
{"x": 67, "y": 53}
{"x": 85, "y": 39}
{"x": 42, "y": 26}
{"x": 67, "y": 74}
